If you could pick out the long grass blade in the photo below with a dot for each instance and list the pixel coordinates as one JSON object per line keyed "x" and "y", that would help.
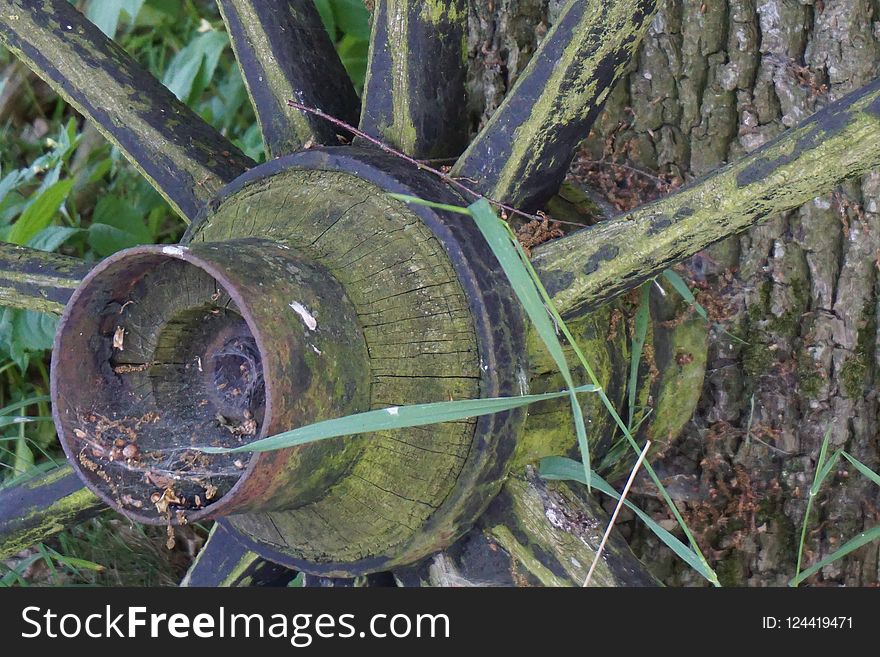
{"x": 395, "y": 417}
{"x": 609, "y": 406}
{"x": 853, "y": 544}
{"x": 818, "y": 478}
{"x": 496, "y": 233}
{"x": 6, "y": 410}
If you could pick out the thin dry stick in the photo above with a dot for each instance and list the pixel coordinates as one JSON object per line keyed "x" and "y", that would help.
{"x": 420, "y": 164}
{"x": 629, "y": 482}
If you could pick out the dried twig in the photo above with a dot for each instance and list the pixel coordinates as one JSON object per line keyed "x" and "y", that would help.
{"x": 419, "y": 164}
{"x": 629, "y": 482}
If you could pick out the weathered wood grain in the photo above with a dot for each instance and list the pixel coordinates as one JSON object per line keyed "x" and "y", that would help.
{"x": 439, "y": 324}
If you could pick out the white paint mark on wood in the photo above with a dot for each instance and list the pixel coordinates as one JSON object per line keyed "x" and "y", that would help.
{"x": 307, "y": 317}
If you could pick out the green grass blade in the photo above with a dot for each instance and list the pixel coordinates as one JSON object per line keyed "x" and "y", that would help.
{"x": 617, "y": 419}
{"x": 818, "y": 478}
{"x": 853, "y": 544}
{"x": 14, "y": 575}
{"x": 75, "y": 564}
{"x": 395, "y": 417}
{"x": 23, "y": 403}
{"x": 638, "y": 344}
{"x": 684, "y": 290}
{"x": 861, "y": 467}
{"x": 593, "y": 379}
{"x": 561, "y": 468}
{"x": 497, "y": 234}
{"x": 677, "y": 282}
{"x": 406, "y": 198}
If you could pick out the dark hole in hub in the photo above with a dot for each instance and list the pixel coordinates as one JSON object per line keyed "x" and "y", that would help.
{"x": 238, "y": 376}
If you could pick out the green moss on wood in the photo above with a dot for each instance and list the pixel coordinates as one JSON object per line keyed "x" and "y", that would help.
{"x": 680, "y": 382}
{"x": 414, "y": 95}
{"x": 522, "y": 154}
{"x": 552, "y": 531}
{"x": 42, "y": 507}
{"x": 36, "y": 280}
{"x": 837, "y": 143}
{"x": 549, "y": 429}
{"x": 420, "y": 336}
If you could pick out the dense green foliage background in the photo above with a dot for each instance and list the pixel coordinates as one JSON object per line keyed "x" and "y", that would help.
{"x": 64, "y": 188}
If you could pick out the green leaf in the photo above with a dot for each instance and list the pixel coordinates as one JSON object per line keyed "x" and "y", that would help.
{"x": 9, "y": 182}
{"x": 125, "y": 216}
{"x": 105, "y": 14}
{"x": 326, "y": 11}
{"x": 353, "y": 52}
{"x": 853, "y": 544}
{"x": 352, "y": 18}
{"x": 35, "y": 331}
{"x": 107, "y": 240}
{"x": 40, "y": 213}
{"x": 51, "y": 237}
{"x": 561, "y": 468}
{"x": 395, "y": 417}
{"x": 496, "y": 235}
{"x": 638, "y": 344}
{"x": 193, "y": 66}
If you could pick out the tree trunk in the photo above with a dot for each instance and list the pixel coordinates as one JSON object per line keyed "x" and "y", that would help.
{"x": 713, "y": 81}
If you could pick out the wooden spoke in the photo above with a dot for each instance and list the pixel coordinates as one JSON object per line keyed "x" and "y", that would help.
{"x": 41, "y": 507}
{"x": 224, "y": 561}
{"x": 522, "y": 155}
{"x": 414, "y": 97}
{"x": 36, "y": 280}
{"x": 527, "y": 538}
{"x": 596, "y": 264}
{"x": 183, "y": 157}
{"x": 285, "y": 53}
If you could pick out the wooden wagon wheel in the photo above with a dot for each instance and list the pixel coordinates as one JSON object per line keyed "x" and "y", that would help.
{"x": 302, "y": 292}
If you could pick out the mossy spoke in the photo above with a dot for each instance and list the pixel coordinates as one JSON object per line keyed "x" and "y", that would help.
{"x": 284, "y": 52}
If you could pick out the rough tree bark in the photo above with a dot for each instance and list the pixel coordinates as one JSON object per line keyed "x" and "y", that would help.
{"x": 713, "y": 81}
